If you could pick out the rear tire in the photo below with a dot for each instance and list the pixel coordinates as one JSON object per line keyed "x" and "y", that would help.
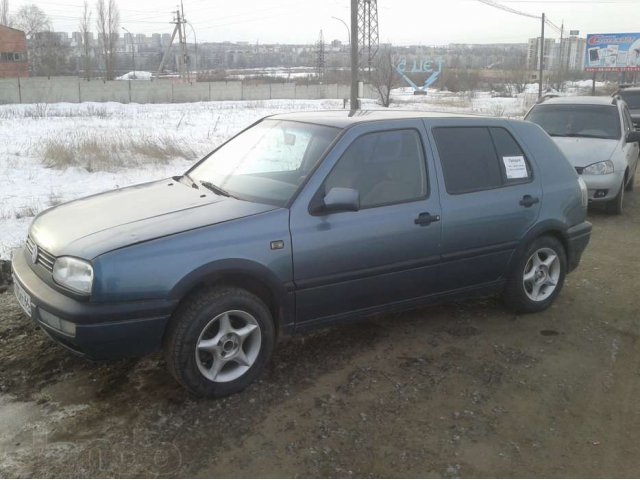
{"x": 537, "y": 277}
{"x": 614, "y": 207}
{"x": 219, "y": 341}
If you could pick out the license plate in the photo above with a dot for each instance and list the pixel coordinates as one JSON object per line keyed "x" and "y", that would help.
{"x": 23, "y": 298}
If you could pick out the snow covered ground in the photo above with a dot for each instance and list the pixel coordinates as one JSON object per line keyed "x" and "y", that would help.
{"x": 55, "y": 153}
{"x": 28, "y": 133}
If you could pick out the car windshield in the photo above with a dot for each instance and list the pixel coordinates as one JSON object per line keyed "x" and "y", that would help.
{"x": 266, "y": 163}
{"x": 632, "y": 99}
{"x": 591, "y": 121}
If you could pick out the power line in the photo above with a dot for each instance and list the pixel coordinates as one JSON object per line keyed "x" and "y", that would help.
{"x": 506, "y": 8}
{"x": 499, "y": 6}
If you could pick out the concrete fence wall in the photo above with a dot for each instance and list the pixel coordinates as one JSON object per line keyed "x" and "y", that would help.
{"x": 74, "y": 90}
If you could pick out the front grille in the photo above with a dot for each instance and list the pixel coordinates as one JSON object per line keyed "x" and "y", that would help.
{"x": 579, "y": 170}
{"x": 44, "y": 258}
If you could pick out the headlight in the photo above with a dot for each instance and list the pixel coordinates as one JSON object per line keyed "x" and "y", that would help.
{"x": 74, "y": 274}
{"x": 600, "y": 168}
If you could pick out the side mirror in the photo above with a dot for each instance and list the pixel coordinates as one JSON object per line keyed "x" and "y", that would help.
{"x": 633, "y": 136}
{"x": 341, "y": 200}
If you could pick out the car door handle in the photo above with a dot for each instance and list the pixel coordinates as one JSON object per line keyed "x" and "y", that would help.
{"x": 426, "y": 218}
{"x": 528, "y": 201}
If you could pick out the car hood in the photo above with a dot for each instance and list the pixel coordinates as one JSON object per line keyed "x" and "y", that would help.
{"x": 582, "y": 152}
{"x": 100, "y": 223}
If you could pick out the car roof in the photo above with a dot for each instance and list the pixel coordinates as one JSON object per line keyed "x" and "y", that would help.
{"x": 579, "y": 100}
{"x": 628, "y": 89}
{"x": 343, "y": 118}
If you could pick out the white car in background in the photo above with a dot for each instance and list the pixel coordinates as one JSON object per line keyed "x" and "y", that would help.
{"x": 597, "y": 135}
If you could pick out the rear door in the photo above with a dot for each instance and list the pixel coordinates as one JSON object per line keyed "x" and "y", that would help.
{"x": 358, "y": 262}
{"x": 490, "y": 197}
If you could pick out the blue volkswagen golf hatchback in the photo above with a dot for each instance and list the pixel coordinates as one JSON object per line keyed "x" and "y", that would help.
{"x": 301, "y": 221}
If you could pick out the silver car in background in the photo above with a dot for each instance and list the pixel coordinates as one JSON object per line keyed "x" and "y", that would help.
{"x": 598, "y": 137}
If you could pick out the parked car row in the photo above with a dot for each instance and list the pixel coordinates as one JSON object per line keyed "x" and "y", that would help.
{"x": 311, "y": 219}
{"x": 598, "y": 136}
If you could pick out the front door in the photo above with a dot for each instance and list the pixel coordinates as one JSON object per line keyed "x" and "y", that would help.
{"x": 386, "y": 252}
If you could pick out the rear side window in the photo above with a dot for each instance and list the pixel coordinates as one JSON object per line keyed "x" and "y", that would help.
{"x": 513, "y": 163}
{"x": 479, "y": 158}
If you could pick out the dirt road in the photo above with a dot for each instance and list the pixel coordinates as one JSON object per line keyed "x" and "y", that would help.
{"x": 461, "y": 390}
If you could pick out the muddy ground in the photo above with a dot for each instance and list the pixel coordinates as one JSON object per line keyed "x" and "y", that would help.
{"x": 461, "y": 390}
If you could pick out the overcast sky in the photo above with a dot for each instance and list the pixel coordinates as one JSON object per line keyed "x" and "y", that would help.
{"x": 429, "y": 22}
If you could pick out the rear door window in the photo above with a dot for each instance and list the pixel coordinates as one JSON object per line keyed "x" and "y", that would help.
{"x": 480, "y": 158}
{"x": 512, "y": 160}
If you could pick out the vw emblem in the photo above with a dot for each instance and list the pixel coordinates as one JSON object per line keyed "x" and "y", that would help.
{"x": 34, "y": 254}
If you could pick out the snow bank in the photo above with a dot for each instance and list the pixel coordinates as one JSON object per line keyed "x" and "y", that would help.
{"x": 137, "y": 75}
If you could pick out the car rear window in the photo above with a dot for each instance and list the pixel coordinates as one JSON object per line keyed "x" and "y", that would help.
{"x": 479, "y": 158}
{"x": 589, "y": 121}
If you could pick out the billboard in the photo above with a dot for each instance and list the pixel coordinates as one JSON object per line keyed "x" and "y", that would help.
{"x": 613, "y": 52}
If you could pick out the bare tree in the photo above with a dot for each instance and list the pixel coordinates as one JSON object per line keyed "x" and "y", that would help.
{"x": 108, "y": 22}
{"x": 384, "y": 77}
{"x": 4, "y": 13}
{"x": 49, "y": 55}
{"x": 31, "y": 20}
{"x": 85, "y": 26}
{"x": 517, "y": 79}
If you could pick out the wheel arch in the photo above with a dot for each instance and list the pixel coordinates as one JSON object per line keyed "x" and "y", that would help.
{"x": 553, "y": 228}
{"x": 245, "y": 274}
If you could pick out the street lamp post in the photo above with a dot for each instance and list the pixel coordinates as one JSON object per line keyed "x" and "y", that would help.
{"x": 345, "y": 26}
{"x": 195, "y": 41}
{"x": 133, "y": 52}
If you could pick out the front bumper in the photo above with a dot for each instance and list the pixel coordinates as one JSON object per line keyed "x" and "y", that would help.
{"x": 609, "y": 183}
{"x": 578, "y": 238}
{"x": 103, "y": 331}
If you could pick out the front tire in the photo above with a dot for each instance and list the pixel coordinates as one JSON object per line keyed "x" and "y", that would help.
{"x": 537, "y": 277}
{"x": 219, "y": 341}
{"x": 614, "y": 207}
{"x": 631, "y": 183}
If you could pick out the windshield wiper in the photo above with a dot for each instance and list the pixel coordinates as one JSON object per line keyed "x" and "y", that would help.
{"x": 215, "y": 189}
{"x": 585, "y": 135}
{"x": 577, "y": 135}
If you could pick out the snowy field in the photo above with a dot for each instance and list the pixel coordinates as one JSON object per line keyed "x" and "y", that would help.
{"x": 55, "y": 153}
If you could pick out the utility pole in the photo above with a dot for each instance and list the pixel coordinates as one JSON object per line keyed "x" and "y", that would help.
{"x": 561, "y": 60}
{"x": 185, "y": 73}
{"x": 320, "y": 58}
{"x": 354, "y": 56}
{"x": 133, "y": 52}
{"x": 179, "y": 28}
{"x": 541, "y": 59}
